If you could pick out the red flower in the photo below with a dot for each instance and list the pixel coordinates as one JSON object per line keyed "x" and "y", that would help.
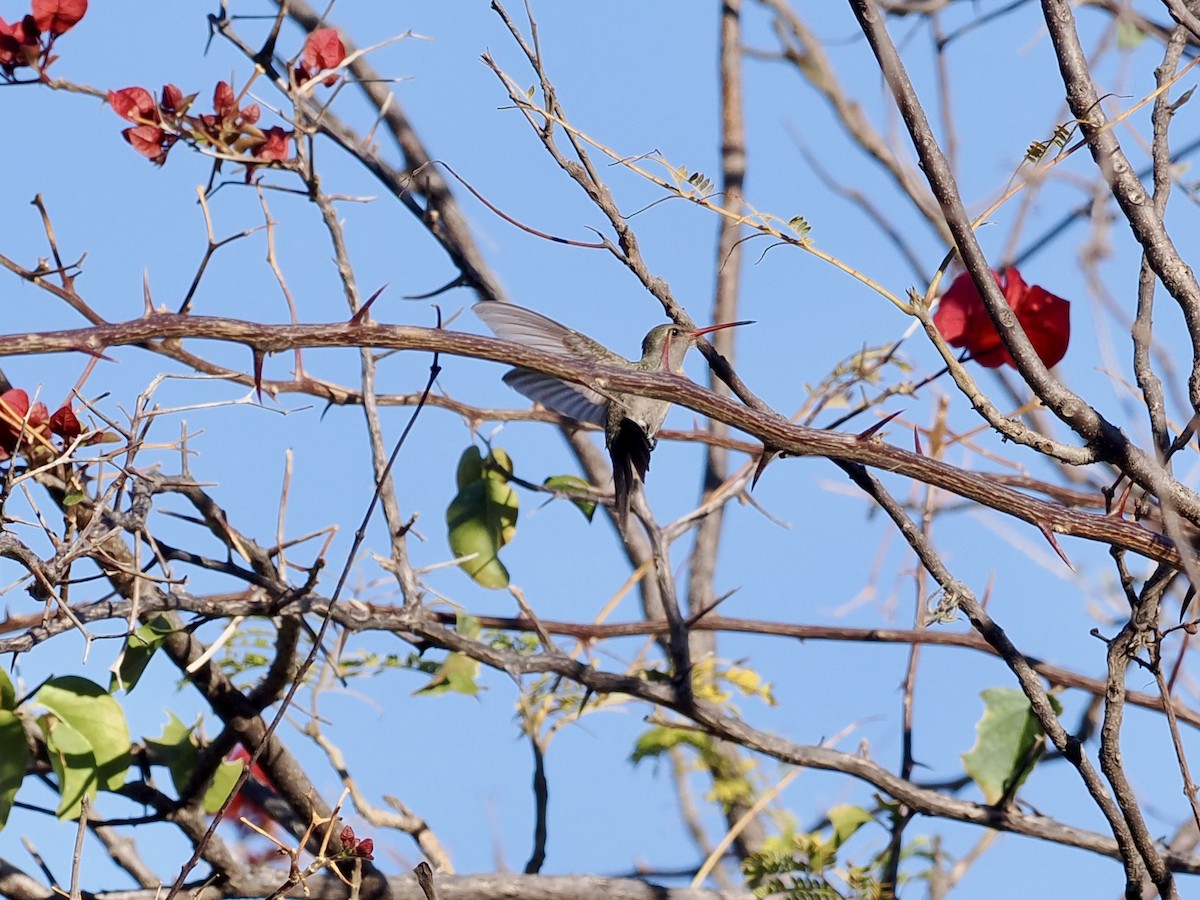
{"x": 31, "y": 427}
{"x": 174, "y": 102}
{"x": 322, "y": 50}
{"x": 17, "y": 420}
{"x": 19, "y": 44}
{"x": 137, "y": 105}
{"x": 150, "y": 141}
{"x": 963, "y": 321}
{"x": 363, "y": 849}
{"x": 58, "y": 16}
{"x": 224, "y": 103}
{"x": 159, "y": 125}
{"x": 65, "y": 424}
{"x": 275, "y": 144}
{"x": 133, "y": 103}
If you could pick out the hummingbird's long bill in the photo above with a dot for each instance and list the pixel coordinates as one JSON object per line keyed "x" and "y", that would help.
{"x": 630, "y": 422}
{"x": 708, "y": 328}
{"x": 692, "y": 335}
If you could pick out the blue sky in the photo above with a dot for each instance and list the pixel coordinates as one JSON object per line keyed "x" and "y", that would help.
{"x": 641, "y": 78}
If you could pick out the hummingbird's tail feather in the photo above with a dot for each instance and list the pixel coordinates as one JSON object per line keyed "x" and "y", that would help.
{"x": 629, "y": 449}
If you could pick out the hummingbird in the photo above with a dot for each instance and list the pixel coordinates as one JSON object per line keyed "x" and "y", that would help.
{"x": 630, "y": 422}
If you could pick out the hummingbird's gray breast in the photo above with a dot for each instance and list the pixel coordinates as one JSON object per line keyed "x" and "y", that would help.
{"x": 644, "y": 412}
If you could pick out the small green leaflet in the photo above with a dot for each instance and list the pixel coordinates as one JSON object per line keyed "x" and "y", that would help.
{"x": 458, "y": 673}
{"x": 573, "y": 484}
{"x": 140, "y": 647}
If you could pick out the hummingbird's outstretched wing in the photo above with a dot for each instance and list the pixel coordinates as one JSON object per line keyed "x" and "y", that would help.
{"x": 564, "y": 397}
{"x": 523, "y": 326}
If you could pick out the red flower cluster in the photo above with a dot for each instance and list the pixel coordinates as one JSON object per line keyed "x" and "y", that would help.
{"x": 228, "y": 128}
{"x": 963, "y": 321}
{"x": 22, "y": 43}
{"x": 362, "y": 848}
{"x": 323, "y": 50}
{"x": 147, "y": 137}
{"x": 31, "y": 428}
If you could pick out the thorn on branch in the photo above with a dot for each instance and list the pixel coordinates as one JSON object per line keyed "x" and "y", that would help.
{"x": 359, "y": 317}
{"x": 258, "y": 372}
{"x": 764, "y": 460}
{"x": 870, "y": 432}
{"x": 1049, "y": 536}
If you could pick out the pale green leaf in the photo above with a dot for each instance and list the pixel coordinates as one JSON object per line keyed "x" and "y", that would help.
{"x": 98, "y": 718}
{"x": 846, "y": 820}
{"x": 14, "y": 760}
{"x": 139, "y": 649}
{"x": 177, "y": 749}
{"x": 221, "y": 785}
{"x": 1008, "y": 742}
{"x": 73, "y": 762}
{"x": 8, "y": 694}
{"x": 573, "y": 484}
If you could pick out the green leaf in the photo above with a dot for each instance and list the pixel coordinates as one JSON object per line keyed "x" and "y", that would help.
{"x": 659, "y": 739}
{"x": 456, "y": 675}
{"x": 177, "y": 749}
{"x": 846, "y": 820}
{"x": 8, "y": 694}
{"x": 141, "y": 646}
{"x": 467, "y": 625}
{"x": 14, "y": 760}
{"x": 73, "y": 762}
{"x": 73, "y": 498}
{"x": 97, "y": 718}
{"x": 1008, "y": 742}
{"x": 470, "y": 467}
{"x": 1129, "y": 36}
{"x": 799, "y": 226}
{"x": 222, "y": 784}
{"x": 573, "y": 484}
{"x": 502, "y": 510}
{"x": 482, "y": 518}
{"x": 471, "y": 536}
{"x": 498, "y": 466}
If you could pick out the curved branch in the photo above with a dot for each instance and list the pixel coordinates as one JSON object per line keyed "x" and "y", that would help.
{"x": 772, "y": 430}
